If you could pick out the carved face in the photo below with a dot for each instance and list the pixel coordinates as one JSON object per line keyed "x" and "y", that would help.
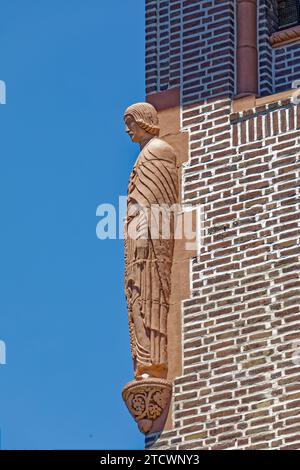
{"x": 135, "y": 132}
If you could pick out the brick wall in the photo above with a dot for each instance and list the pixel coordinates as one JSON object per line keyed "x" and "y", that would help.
{"x": 267, "y": 24}
{"x": 190, "y": 42}
{"x": 163, "y": 44}
{"x": 286, "y": 66}
{"x": 240, "y": 386}
{"x": 278, "y": 67}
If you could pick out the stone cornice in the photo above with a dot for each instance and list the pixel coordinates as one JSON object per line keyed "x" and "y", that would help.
{"x": 286, "y": 36}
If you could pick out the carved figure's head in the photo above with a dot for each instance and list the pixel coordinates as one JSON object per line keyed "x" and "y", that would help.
{"x": 141, "y": 122}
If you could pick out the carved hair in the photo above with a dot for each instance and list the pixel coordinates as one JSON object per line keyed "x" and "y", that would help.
{"x": 145, "y": 115}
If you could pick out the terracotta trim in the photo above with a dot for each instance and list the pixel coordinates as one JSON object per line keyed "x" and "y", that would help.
{"x": 243, "y": 102}
{"x": 165, "y": 99}
{"x": 287, "y": 36}
{"x": 247, "y": 53}
{"x": 284, "y": 95}
{"x": 250, "y": 102}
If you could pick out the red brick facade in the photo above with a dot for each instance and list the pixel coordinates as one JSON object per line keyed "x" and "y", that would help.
{"x": 240, "y": 386}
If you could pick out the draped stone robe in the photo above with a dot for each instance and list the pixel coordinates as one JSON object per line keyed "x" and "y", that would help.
{"x": 153, "y": 182}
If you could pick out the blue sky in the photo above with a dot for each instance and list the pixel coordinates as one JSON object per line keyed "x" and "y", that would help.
{"x": 71, "y": 67}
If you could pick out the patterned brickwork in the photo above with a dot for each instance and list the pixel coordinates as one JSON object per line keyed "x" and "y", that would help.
{"x": 286, "y": 67}
{"x": 240, "y": 386}
{"x": 241, "y": 331}
{"x": 267, "y": 24}
{"x": 279, "y": 67}
{"x": 190, "y": 42}
{"x": 163, "y": 44}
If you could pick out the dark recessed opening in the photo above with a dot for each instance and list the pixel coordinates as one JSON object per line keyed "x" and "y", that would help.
{"x": 288, "y": 13}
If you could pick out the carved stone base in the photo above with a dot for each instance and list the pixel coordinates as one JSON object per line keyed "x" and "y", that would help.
{"x": 148, "y": 401}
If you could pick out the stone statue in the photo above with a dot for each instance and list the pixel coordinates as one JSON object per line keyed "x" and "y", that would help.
{"x": 149, "y": 241}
